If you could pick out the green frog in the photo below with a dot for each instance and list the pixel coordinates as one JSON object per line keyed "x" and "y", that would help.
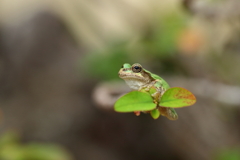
{"x": 138, "y": 78}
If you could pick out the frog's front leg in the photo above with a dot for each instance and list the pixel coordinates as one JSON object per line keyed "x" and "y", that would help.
{"x": 146, "y": 87}
{"x": 153, "y": 91}
{"x": 156, "y": 91}
{"x": 156, "y": 97}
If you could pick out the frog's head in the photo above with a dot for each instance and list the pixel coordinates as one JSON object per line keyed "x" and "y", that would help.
{"x": 135, "y": 76}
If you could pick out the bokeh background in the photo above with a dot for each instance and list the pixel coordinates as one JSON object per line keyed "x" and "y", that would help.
{"x": 58, "y": 78}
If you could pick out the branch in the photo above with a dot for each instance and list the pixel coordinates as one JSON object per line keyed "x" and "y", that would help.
{"x": 106, "y": 94}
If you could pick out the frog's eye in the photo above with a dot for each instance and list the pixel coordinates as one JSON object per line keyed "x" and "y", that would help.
{"x": 136, "y": 68}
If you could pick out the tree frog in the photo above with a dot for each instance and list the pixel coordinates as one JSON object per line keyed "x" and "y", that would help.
{"x": 138, "y": 78}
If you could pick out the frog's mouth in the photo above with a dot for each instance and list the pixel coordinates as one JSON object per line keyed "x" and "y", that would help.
{"x": 131, "y": 77}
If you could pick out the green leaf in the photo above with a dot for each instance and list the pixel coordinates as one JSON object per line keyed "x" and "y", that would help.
{"x": 177, "y": 97}
{"x": 134, "y": 101}
{"x": 155, "y": 113}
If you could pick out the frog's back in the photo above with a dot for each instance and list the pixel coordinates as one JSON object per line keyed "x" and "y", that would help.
{"x": 164, "y": 83}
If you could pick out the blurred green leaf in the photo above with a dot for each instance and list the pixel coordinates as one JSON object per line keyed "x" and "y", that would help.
{"x": 229, "y": 154}
{"x": 162, "y": 37}
{"x": 105, "y": 65}
{"x": 38, "y": 151}
{"x": 12, "y": 149}
{"x": 9, "y": 138}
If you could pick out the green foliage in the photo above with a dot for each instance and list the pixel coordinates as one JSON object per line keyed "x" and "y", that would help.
{"x": 155, "y": 113}
{"x": 177, "y": 97}
{"x": 156, "y": 43}
{"x": 167, "y": 35}
{"x": 134, "y": 101}
{"x": 162, "y": 37}
{"x": 12, "y": 149}
{"x": 106, "y": 64}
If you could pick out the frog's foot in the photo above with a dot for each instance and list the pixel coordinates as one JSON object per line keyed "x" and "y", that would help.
{"x": 137, "y": 113}
{"x": 156, "y": 102}
{"x": 143, "y": 89}
{"x": 156, "y": 97}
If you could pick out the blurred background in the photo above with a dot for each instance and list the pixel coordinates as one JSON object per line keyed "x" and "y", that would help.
{"x": 58, "y": 78}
